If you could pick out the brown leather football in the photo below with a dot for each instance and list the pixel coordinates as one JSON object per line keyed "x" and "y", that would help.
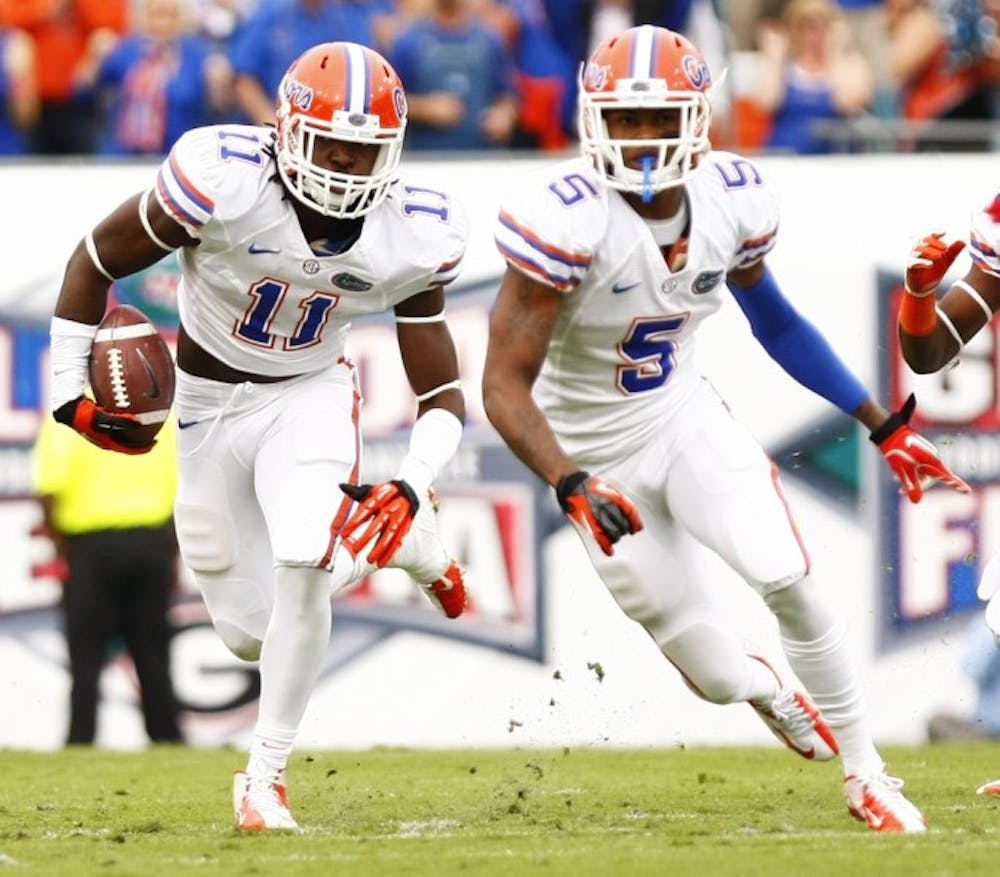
{"x": 132, "y": 370}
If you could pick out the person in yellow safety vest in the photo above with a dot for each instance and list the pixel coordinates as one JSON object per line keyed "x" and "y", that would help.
{"x": 110, "y": 517}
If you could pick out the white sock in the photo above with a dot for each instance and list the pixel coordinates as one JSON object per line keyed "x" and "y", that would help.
{"x": 830, "y": 677}
{"x": 270, "y": 750}
{"x": 290, "y": 660}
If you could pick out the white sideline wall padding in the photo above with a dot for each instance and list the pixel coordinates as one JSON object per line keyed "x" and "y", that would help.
{"x": 843, "y": 219}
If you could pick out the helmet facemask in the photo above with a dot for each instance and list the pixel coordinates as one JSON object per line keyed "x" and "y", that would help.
{"x": 333, "y": 193}
{"x": 675, "y": 158}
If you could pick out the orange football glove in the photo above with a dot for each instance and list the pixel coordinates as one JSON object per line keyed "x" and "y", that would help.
{"x": 912, "y": 458}
{"x": 104, "y": 429}
{"x": 388, "y": 509}
{"x": 597, "y": 507}
{"x": 929, "y": 261}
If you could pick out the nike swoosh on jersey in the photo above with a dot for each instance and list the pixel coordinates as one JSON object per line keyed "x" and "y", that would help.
{"x": 254, "y": 250}
{"x": 619, "y": 288}
{"x": 154, "y": 392}
{"x": 187, "y": 424}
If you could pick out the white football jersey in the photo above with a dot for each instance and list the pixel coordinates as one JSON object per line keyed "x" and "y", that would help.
{"x": 984, "y": 239}
{"x": 253, "y": 293}
{"x": 621, "y": 357}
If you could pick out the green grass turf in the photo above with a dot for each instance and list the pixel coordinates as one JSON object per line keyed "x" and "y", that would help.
{"x": 697, "y": 811}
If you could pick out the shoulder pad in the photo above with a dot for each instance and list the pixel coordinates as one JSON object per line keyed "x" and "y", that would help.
{"x": 215, "y": 171}
{"x": 550, "y": 227}
{"x": 743, "y": 193}
{"x": 436, "y": 224}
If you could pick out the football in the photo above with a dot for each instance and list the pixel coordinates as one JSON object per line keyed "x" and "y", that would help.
{"x": 132, "y": 370}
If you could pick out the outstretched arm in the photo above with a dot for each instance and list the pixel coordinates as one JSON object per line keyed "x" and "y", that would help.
{"x": 799, "y": 348}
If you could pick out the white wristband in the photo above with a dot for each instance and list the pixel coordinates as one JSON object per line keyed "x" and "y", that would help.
{"x": 433, "y": 442}
{"x": 68, "y": 357}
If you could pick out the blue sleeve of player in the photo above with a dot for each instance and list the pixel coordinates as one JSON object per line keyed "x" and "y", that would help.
{"x": 796, "y": 345}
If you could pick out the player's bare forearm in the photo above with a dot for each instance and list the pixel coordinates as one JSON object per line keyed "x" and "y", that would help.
{"x": 926, "y": 354}
{"x": 428, "y": 354}
{"x": 870, "y": 414}
{"x": 527, "y": 433}
{"x": 521, "y": 327}
{"x": 968, "y": 305}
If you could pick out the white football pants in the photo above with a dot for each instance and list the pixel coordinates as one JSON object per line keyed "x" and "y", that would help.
{"x": 704, "y": 482}
{"x": 259, "y": 468}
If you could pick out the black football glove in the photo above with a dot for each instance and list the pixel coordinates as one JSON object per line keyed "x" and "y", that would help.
{"x": 597, "y": 507}
{"x": 113, "y": 432}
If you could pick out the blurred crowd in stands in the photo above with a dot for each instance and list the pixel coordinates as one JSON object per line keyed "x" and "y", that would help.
{"x": 127, "y": 77}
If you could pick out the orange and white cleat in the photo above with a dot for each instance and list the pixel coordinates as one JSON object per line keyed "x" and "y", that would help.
{"x": 877, "y": 801}
{"x": 424, "y": 558}
{"x": 796, "y": 721}
{"x": 261, "y": 803}
{"x": 990, "y": 788}
{"x": 448, "y": 592}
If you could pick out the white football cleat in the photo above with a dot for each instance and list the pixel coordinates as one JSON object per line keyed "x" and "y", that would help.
{"x": 425, "y": 560}
{"x": 796, "y": 721}
{"x": 990, "y": 788}
{"x": 877, "y": 800}
{"x": 261, "y": 803}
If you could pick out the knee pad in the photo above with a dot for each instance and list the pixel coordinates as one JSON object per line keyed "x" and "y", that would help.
{"x": 238, "y": 641}
{"x": 206, "y": 537}
{"x": 712, "y": 662}
{"x": 801, "y": 611}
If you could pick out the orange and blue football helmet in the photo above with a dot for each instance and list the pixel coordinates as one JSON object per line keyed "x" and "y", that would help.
{"x": 343, "y": 91}
{"x": 645, "y": 67}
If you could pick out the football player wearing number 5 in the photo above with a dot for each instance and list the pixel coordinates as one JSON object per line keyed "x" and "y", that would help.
{"x": 614, "y": 261}
{"x": 284, "y": 237}
{"x": 933, "y": 332}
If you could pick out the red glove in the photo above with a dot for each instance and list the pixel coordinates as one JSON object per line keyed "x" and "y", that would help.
{"x": 929, "y": 261}
{"x": 104, "y": 429}
{"x": 912, "y": 458}
{"x": 388, "y": 509}
{"x": 597, "y": 507}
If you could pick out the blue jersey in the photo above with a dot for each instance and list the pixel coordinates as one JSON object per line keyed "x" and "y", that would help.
{"x": 183, "y": 94}
{"x": 282, "y": 30}
{"x": 12, "y": 139}
{"x": 470, "y": 62}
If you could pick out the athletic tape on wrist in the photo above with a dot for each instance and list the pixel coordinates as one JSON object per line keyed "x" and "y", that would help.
{"x": 433, "y": 442}
{"x": 69, "y": 353}
{"x": 918, "y": 314}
